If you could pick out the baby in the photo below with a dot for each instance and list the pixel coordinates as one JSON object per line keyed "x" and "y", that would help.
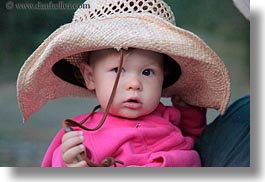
{"x": 140, "y": 131}
{"x": 128, "y": 54}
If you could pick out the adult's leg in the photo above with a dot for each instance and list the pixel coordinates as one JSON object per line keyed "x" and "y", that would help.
{"x": 226, "y": 141}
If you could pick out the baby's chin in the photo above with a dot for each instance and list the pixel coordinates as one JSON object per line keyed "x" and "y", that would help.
{"x": 129, "y": 115}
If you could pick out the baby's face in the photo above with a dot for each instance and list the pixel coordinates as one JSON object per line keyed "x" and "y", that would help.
{"x": 140, "y": 85}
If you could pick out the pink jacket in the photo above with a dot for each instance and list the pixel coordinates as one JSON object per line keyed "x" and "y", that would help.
{"x": 164, "y": 138}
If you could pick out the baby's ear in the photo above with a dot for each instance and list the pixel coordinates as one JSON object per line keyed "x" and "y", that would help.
{"x": 87, "y": 74}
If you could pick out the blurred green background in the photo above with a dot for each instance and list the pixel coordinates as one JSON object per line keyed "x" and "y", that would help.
{"x": 218, "y": 23}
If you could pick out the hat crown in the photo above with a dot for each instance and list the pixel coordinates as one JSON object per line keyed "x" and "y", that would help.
{"x": 100, "y": 9}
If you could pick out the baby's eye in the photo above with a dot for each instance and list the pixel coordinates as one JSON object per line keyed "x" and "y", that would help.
{"x": 148, "y": 72}
{"x": 116, "y": 69}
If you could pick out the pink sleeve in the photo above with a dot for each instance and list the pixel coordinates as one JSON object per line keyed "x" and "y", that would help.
{"x": 174, "y": 158}
{"x": 192, "y": 121}
{"x": 57, "y": 160}
{"x": 52, "y": 155}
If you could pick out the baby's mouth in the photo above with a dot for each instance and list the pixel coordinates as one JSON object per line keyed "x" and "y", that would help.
{"x": 133, "y": 103}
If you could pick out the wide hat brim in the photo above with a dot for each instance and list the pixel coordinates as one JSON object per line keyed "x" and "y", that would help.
{"x": 204, "y": 79}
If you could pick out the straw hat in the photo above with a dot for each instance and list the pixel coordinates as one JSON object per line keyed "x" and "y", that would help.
{"x": 122, "y": 24}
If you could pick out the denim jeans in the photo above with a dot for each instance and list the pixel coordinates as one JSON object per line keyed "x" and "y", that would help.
{"x": 226, "y": 141}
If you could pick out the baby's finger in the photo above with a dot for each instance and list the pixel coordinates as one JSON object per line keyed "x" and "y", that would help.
{"x": 79, "y": 164}
{"x": 71, "y": 134}
{"x": 70, "y": 155}
{"x": 71, "y": 142}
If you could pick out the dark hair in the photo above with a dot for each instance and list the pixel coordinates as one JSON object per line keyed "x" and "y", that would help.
{"x": 172, "y": 71}
{"x": 69, "y": 73}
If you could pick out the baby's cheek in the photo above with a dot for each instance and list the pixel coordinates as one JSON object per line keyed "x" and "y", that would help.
{"x": 103, "y": 99}
{"x": 115, "y": 111}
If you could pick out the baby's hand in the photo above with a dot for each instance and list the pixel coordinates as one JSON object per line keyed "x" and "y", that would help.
{"x": 72, "y": 146}
{"x": 176, "y": 101}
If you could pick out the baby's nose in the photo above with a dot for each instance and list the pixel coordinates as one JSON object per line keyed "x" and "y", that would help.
{"x": 134, "y": 83}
